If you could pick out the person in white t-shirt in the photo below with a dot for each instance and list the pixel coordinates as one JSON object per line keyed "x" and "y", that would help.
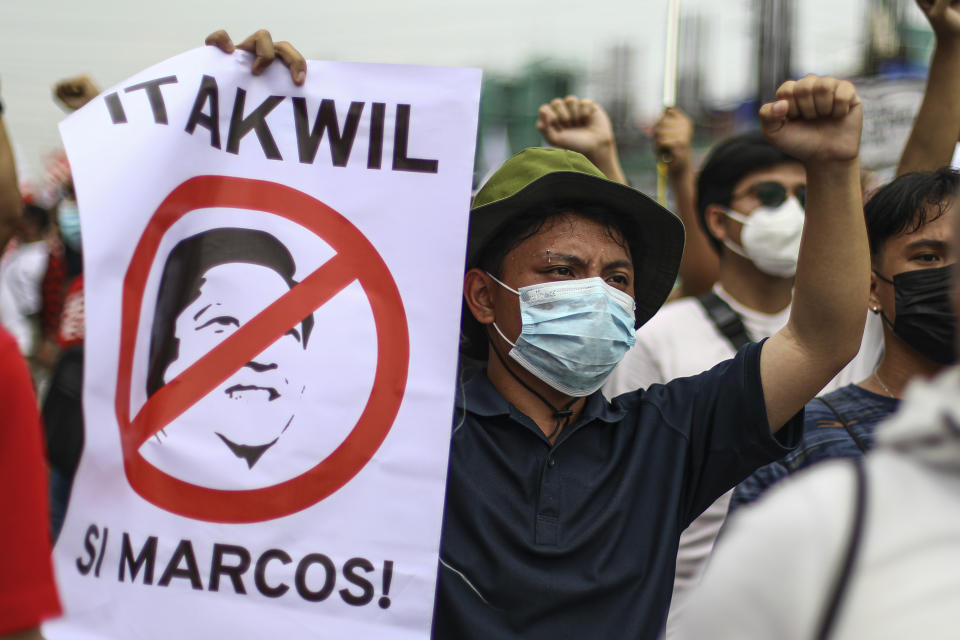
{"x": 750, "y": 201}
{"x": 21, "y": 273}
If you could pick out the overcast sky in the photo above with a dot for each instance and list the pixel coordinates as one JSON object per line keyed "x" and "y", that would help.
{"x": 43, "y": 40}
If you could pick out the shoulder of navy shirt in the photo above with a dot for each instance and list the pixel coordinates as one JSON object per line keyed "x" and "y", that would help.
{"x": 579, "y": 539}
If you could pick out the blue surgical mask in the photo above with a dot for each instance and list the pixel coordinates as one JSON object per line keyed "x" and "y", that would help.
{"x": 574, "y": 332}
{"x": 68, "y": 217}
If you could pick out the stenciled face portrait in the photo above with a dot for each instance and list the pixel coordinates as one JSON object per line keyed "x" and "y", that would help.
{"x": 253, "y": 408}
{"x": 213, "y": 284}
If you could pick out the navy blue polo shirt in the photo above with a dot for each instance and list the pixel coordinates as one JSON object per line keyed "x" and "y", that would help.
{"x": 579, "y": 539}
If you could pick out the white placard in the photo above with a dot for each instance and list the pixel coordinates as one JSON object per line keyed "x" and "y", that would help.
{"x": 890, "y": 106}
{"x": 272, "y": 278}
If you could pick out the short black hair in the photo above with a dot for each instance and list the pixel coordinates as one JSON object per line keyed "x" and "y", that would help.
{"x": 727, "y": 164}
{"x": 622, "y": 230}
{"x": 37, "y": 216}
{"x": 907, "y": 203}
{"x": 183, "y": 275}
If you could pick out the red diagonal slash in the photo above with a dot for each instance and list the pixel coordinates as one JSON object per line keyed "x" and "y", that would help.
{"x": 356, "y": 259}
{"x": 243, "y": 345}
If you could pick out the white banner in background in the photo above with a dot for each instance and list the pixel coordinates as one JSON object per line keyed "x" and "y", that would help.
{"x": 889, "y": 108}
{"x": 273, "y": 279}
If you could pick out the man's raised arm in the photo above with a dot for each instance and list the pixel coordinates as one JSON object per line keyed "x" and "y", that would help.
{"x": 700, "y": 266}
{"x": 581, "y": 125}
{"x": 818, "y": 121}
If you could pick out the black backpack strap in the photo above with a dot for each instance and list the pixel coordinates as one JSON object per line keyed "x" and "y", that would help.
{"x": 846, "y": 425}
{"x": 853, "y": 545}
{"x": 725, "y": 319}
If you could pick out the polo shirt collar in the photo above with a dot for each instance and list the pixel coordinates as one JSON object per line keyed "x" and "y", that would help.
{"x": 478, "y": 396}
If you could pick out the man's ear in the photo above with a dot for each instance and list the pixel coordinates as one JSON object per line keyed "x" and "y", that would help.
{"x": 478, "y": 294}
{"x": 874, "y": 303}
{"x": 716, "y": 217}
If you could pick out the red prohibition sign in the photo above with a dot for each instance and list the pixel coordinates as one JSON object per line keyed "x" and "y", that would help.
{"x": 355, "y": 260}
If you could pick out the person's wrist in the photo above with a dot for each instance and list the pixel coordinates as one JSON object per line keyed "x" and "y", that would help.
{"x": 832, "y": 171}
{"x": 947, "y": 42}
{"x": 678, "y": 169}
{"x": 826, "y": 165}
{"x": 604, "y": 147}
{"x": 679, "y": 163}
{"x": 608, "y": 162}
{"x": 603, "y": 153}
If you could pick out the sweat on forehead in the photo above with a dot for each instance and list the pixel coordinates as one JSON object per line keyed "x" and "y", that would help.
{"x": 543, "y": 220}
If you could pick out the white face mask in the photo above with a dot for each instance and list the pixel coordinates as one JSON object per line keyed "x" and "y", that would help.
{"x": 771, "y": 237}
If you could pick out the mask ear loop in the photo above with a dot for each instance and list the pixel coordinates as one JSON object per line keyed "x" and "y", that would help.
{"x": 883, "y": 316}
{"x": 562, "y": 415}
{"x": 505, "y": 338}
{"x": 877, "y": 273}
{"x": 499, "y": 282}
{"x": 727, "y": 242}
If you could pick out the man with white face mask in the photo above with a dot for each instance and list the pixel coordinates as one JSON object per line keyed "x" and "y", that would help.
{"x": 750, "y": 201}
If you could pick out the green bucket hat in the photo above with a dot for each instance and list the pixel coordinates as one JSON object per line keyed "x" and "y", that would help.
{"x": 539, "y": 176}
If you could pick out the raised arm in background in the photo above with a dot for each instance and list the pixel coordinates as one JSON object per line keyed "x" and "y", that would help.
{"x": 700, "y": 267}
{"x": 10, "y": 203}
{"x": 580, "y": 124}
{"x": 75, "y": 91}
{"x": 937, "y": 125}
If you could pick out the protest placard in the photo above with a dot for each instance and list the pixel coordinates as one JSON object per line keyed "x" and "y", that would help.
{"x": 889, "y": 107}
{"x": 272, "y": 279}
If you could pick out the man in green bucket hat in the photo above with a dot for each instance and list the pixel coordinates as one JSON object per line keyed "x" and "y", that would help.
{"x": 563, "y": 510}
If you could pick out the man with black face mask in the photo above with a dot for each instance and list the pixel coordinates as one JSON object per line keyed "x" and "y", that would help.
{"x": 910, "y": 223}
{"x": 922, "y": 305}
{"x": 910, "y": 286}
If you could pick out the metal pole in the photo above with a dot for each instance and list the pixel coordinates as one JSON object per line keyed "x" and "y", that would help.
{"x": 774, "y": 44}
{"x": 669, "y": 89}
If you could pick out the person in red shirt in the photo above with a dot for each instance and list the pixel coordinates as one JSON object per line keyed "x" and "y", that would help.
{"x": 28, "y": 593}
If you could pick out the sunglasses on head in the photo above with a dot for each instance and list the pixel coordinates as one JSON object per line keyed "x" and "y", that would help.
{"x": 773, "y": 194}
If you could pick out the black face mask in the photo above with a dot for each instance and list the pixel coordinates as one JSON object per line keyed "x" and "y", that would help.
{"x": 925, "y": 318}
